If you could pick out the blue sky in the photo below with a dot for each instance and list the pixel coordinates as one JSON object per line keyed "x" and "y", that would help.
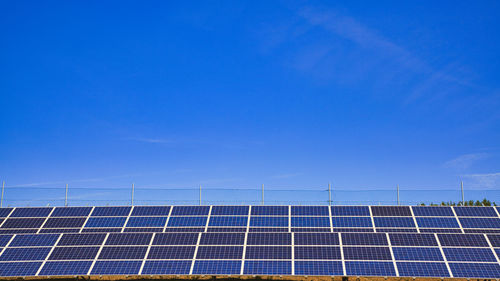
{"x": 234, "y": 94}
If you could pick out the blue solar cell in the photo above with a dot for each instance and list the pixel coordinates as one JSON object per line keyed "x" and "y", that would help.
{"x": 269, "y": 210}
{"x": 190, "y": 210}
{"x": 17, "y": 231}
{"x": 433, "y": 211}
{"x": 423, "y": 269}
{"x": 269, "y": 221}
{"x": 175, "y": 239}
{"x": 151, "y": 211}
{"x": 74, "y": 239}
{"x": 111, "y": 211}
{"x": 268, "y": 252}
{"x": 66, "y": 268}
{"x": 480, "y": 222}
{"x": 350, "y": 211}
{"x": 268, "y": 267}
{"x": 465, "y": 240}
{"x": 310, "y": 211}
{"x": 392, "y": 230}
{"x": 269, "y": 239}
{"x": 316, "y": 239}
{"x": 185, "y": 229}
{"x": 475, "y": 211}
{"x": 23, "y": 223}
{"x": 59, "y": 230}
{"x": 30, "y": 212}
{"x": 129, "y": 239}
{"x": 228, "y": 221}
{"x": 317, "y": 253}
{"x": 4, "y": 239}
{"x": 364, "y": 239}
{"x": 417, "y": 254}
{"x": 222, "y": 239}
{"x": 438, "y": 222}
{"x": 318, "y": 268}
{"x": 74, "y": 253}
{"x": 268, "y": 229}
{"x": 187, "y": 221}
{"x": 311, "y": 229}
{"x": 19, "y": 268}
{"x": 116, "y": 267}
{"x": 469, "y": 254}
{"x": 370, "y": 268}
{"x": 171, "y": 252}
{"x": 4, "y": 212}
{"x": 143, "y": 229}
{"x": 24, "y": 254}
{"x": 226, "y": 229}
{"x": 229, "y": 210}
{"x": 64, "y": 222}
{"x": 423, "y": 239}
{"x": 352, "y": 222}
{"x": 167, "y": 267}
{"x": 352, "y": 229}
{"x": 494, "y": 239}
{"x": 391, "y": 211}
{"x": 34, "y": 240}
{"x": 367, "y": 253}
{"x": 101, "y": 230}
{"x": 311, "y": 221}
{"x": 475, "y": 270}
{"x": 394, "y": 222}
{"x": 479, "y": 230}
{"x": 440, "y": 230}
{"x": 123, "y": 253}
{"x": 146, "y": 221}
{"x": 219, "y": 252}
{"x": 106, "y": 222}
{"x": 217, "y": 267}
{"x": 71, "y": 212}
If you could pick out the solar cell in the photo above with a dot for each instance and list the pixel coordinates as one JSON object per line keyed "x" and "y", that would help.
{"x": 311, "y": 229}
{"x": 4, "y": 212}
{"x": 316, "y": 239}
{"x": 440, "y": 230}
{"x": 19, "y": 268}
{"x": 66, "y": 268}
{"x": 485, "y": 231}
{"x": 129, "y": 239}
{"x": 464, "y": 240}
{"x": 105, "y": 222}
{"x": 171, "y": 252}
{"x": 317, "y": 253}
{"x": 268, "y": 229}
{"x": 352, "y": 222}
{"x": 187, "y": 221}
{"x": 18, "y": 231}
{"x": 480, "y": 222}
{"x": 101, "y": 230}
{"x": 228, "y": 221}
{"x": 417, "y": 254}
{"x": 175, "y": 239}
{"x": 268, "y": 252}
{"x": 111, "y": 211}
{"x": 71, "y": 211}
{"x": 310, "y": 211}
{"x": 370, "y": 268}
{"x": 222, "y": 239}
{"x": 229, "y": 210}
{"x": 367, "y": 253}
{"x": 351, "y": 229}
{"x": 469, "y": 254}
{"x": 392, "y": 230}
{"x": 30, "y": 212}
{"x": 269, "y": 239}
{"x": 220, "y": 252}
{"x": 269, "y": 210}
{"x": 24, "y": 254}
{"x": 190, "y": 210}
{"x": 64, "y": 222}
{"x": 494, "y": 240}
{"x": 73, "y": 253}
{"x": 146, "y": 221}
{"x": 23, "y": 223}
{"x": 226, "y": 229}
{"x": 143, "y": 229}
{"x": 59, "y": 230}
{"x": 81, "y": 239}
{"x": 4, "y": 239}
{"x": 116, "y": 267}
{"x": 364, "y": 239}
{"x": 123, "y": 253}
{"x": 475, "y": 212}
{"x": 269, "y": 221}
{"x": 185, "y": 229}
{"x": 318, "y": 268}
{"x": 475, "y": 270}
{"x": 391, "y": 211}
{"x": 311, "y": 221}
{"x": 398, "y": 239}
{"x": 433, "y": 211}
{"x": 393, "y": 222}
{"x": 217, "y": 267}
{"x": 151, "y": 211}
{"x": 34, "y": 240}
{"x": 167, "y": 267}
{"x": 437, "y": 222}
{"x": 268, "y": 267}
{"x": 423, "y": 269}
{"x": 350, "y": 211}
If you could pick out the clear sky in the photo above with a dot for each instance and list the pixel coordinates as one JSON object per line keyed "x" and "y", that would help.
{"x": 234, "y": 94}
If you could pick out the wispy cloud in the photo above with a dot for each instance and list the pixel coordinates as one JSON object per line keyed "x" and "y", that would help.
{"x": 153, "y": 140}
{"x": 465, "y": 161}
{"x": 286, "y": 176}
{"x": 488, "y": 180}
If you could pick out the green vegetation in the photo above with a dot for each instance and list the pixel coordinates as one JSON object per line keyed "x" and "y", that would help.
{"x": 485, "y": 202}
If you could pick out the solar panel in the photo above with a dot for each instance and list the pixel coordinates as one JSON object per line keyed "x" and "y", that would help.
{"x": 4, "y": 212}
{"x": 311, "y": 221}
{"x": 116, "y": 267}
{"x": 151, "y": 211}
{"x": 123, "y": 253}
{"x": 423, "y": 269}
{"x": 268, "y": 267}
{"x": 187, "y": 221}
{"x": 311, "y": 229}
{"x": 440, "y": 230}
{"x": 222, "y": 239}
{"x": 352, "y": 222}
{"x": 364, "y": 239}
{"x": 175, "y": 239}
{"x": 393, "y": 222}
{"x": 398, "y": 239}
{"x": 464, "y": 240}
{"x": 269, "y": 239}
{"x": 417, "y": 254}
{"x": 73, "y": 253}
{"x": 269, "y": 221}
{"x": 34, "y": 240}
{"x": 437, "y": 222}
{"x": 101, "y": 230}
{"x": 171, "y": 252}
{"x": 229, "y": 210}
{"x": 350, "y": 211}
{"x": 479, "y": 230}
{"x": 217, "y": 267}
{"x": 494, "y": 239}
{"x": 190, "y": 210}
{"x": 268, "y": 252}
{"x": 480, "y": 222}
{"x": 71, "y": 211}
{"x": 184, "y": 229}
{"x": 64, "y": 222}
{"x": 388, "y": 211}
{"x": 367, "y": 253}
{"x": 268, "y": 229}
{"x": 317, "y": 253}
{"x": 167, "y": 267}
{"x": 226, "y": 229}
{"x": 81, "y": 239}
{"x": 66, "y": 268}
{"x": 24, "y": 254}
{"x": 106, "y": 222}
{"x": 129, "y": 239}
{"x": 318, "y": 268}
{"x": 475, "y": 270}
{"x": 146, "y": 221}
{"x": 433, "y": 211}
{"x": 228, "y": 221}
{"x": 30, "y": 212}
{"x": 23, "y": 223}
{"x": 111, "y": 211}
{"x": 469, "y": 254}
{"x": 220, "y": 252}
{"x": 143, "y": 229}
{"x": 475, "y": 212}
{"x": 310, "y": 211}
{"x": 370, "y": 268}
{"x": 4, "y": 239}
{"x": 59, "y": 230}
{"x": 17, "y": 231}
{"x": 392, "y": 230}
{"x": 316, "y": 239}
{"x": 351, "y": 229}
{"x": 269, "y": 210}
{"x": 19, "y": 268}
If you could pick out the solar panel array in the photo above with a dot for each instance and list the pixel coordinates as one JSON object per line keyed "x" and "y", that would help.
{"x": 254, "y": 240}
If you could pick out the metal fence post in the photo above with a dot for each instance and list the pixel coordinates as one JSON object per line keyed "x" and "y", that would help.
{"x": 262, "y": 194}
{"x": 462, "y": 188}
{"x": 200, "y": 194}
{"x": 398, "y": 195}
{"x": 66, "y": 197}
{"x": 329, "y": 194}
{"x": 3, "y": 188}
{"x": 133, "y": 189}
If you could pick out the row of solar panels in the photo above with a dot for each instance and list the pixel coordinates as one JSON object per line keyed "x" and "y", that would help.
{"x": 396, "y": 254}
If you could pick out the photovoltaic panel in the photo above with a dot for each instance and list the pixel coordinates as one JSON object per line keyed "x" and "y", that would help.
{"x": 367, "y": 253}
{"x": 391, "y": 211}
{"x": 463, "y": 240}
{"x": 101, "y": 230}
{"x": 81, "y": 239}
{"x": 24, "y": 254}
{"x": 60, "y": 230}
{"x": 269, "y": 221}
{"x": 105, "y": 222}
{"x": 64, "y": 222}
{"x": 268, "y": 267}
{"x": 229, "y": 210}
{"x": 226, "y": 229}
{"x": 151, "y": 211}
{"x": 352, "y": 229}
{"x": 494, "y": 239}
{"x": 440, "y": 230}
{"x": 417, "y": 254}
{"x": 23, "y": 223}
{"x": 66, "y": 268}
{"x": 143, "y": 229}
{"x": 217, "y": 267}
{"x": 311, "y": 229}
{"x": 370, "y": 268}
{"x": 269, "y": 239}
{"x": 364, "y": 239}
{"x": 4, "y": 239}
{"x": 318, "y": 268}
{"x": 111, "y": 211}
{"x": 228, "y": 221}
{"x": 475, "y": 270}
{"x": 311, "y": 221}
{"x": 71, "y": 212}
{"x": 268, "y": 252}
{"x": 123, "y": 253}
{"x": 129, "y": 239}
{"x": 4, "y": 212}
{"x": 187, "y": 221}
{"x": 479, "y": 230}
{"x": 317, "y": 253}
{"x": 190, "y": 210}
{"x": 437, "y": 222}
{"x": 350, "y": 211}
{"x": 171, "y": 252}
{"x": 475, "y": 212}
{"x": 185, "y": 229}
{"x": 480, "y": 222}
{"x": 423, "y": 269}
{"x": 422, "y": 239}
{"x": 116, "y": 267}
{"x": 469, "y": 254}
{"x": 394, "y": 222}
{"x": 268, "y": 229}
{"x": 352, "y": 222}
{"x": 167, "y": 267}
{"x": 310, "y": 211}
{"x": 222, "y": 239}
{"x": 19, "y": 268}
{"x": 316, "y": 239}
{"x": 433, "y": 211}
{"x": 17, "y": 231}
{"x": 392, "y": 230}
{"x": 220, "y": 252}
{"x": 146, "y": 221}
{"x": 175, "y": 239}
{"x": 34, "y": 240}
{"x": 74, "y": 253}
{"x": 30, "y": 212}
{"x": 269, "y": 210}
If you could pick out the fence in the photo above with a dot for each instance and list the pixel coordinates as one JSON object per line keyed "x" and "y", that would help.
{"x": 135, "y": 195}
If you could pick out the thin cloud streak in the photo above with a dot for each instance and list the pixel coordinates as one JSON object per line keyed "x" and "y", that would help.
{"x": 465, "y": 161}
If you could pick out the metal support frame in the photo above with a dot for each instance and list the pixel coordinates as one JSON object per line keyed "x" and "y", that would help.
{"x": 66, "y": 197}
{"x": 132, "y": 199}
{"x": 329, "y": 194}
{"x": 462, "y": 188}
